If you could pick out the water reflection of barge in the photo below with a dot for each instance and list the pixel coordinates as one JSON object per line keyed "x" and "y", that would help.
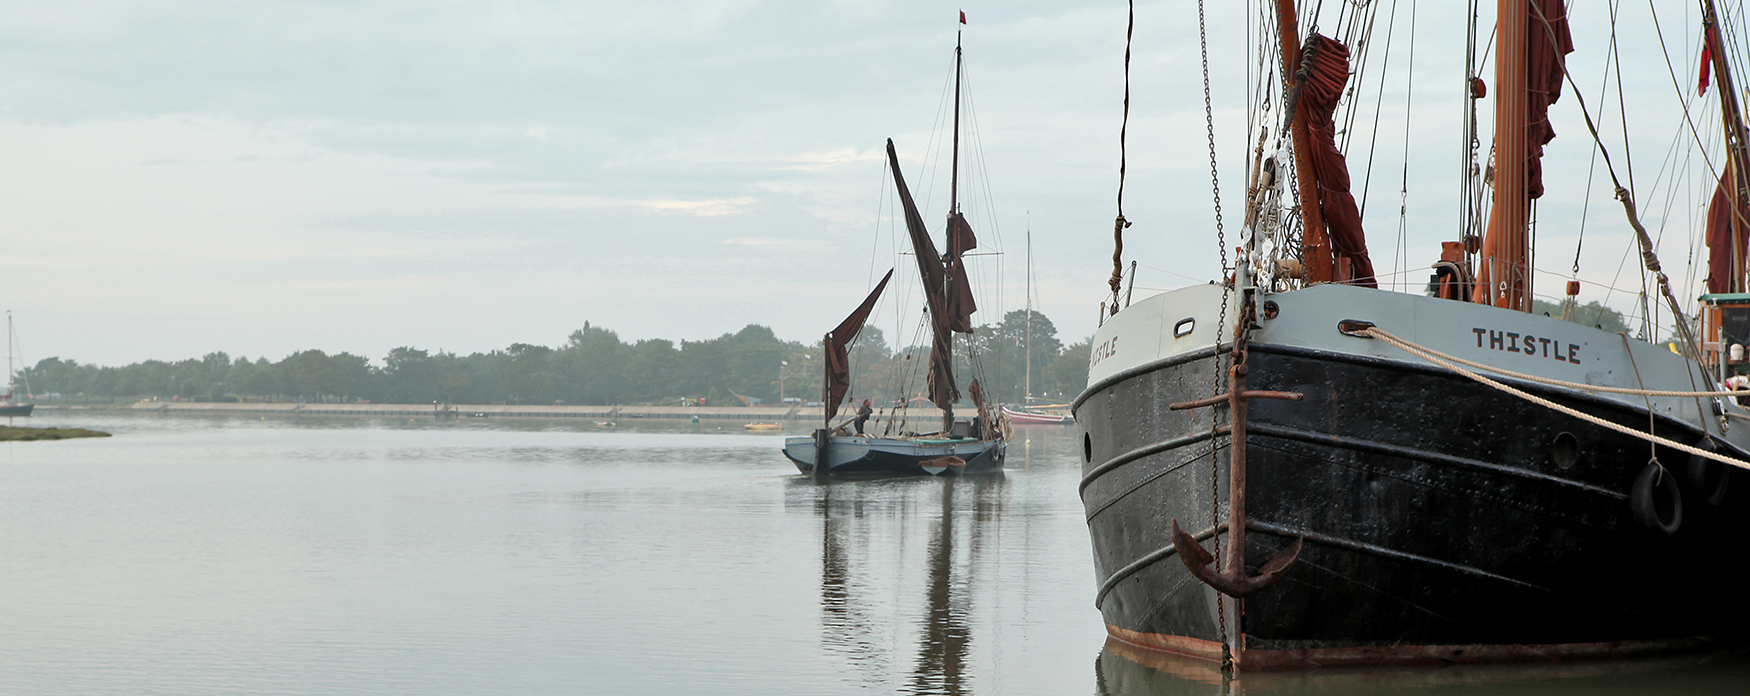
{"x": 850, "y": 583}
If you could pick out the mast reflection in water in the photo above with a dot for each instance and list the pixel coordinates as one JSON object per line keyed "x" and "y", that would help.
{"x": 858, "y": 581}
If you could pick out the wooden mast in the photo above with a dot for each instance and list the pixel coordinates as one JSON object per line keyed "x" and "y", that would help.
{"x": 954, "y": 177}
{"x": 1315, "y": 241}
{"x": 1503, "y": 271}
{"x": 953, "y": 209}
{"x": 1733, "y": 177}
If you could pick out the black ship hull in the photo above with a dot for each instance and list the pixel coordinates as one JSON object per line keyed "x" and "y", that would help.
{"x": 1443, "y": 520}
{"x": 17, "y": 410}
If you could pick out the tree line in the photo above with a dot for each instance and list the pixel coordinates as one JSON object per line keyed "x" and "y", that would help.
{"x": 593, "y": 366}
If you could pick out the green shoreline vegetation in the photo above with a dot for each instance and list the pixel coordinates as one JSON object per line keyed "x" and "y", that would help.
{"x": 11, "y": 434}
{"x": 593, "y": 367}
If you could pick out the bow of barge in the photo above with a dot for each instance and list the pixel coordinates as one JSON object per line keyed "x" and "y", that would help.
{"x": 1438, "y": 519}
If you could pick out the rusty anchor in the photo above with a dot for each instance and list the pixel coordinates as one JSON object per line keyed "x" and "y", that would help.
{"x": 1234, "y": 582}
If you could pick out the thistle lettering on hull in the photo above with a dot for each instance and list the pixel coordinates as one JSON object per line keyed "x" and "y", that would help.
{"x": 1528, "y": 345}
{"x": 1105, "y": 350}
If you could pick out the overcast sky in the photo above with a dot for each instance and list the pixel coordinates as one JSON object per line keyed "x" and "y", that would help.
{"x": 263, "y": 178}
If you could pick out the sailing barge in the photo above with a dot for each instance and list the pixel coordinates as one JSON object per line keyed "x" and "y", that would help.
{"x": 1295, "y": 469}
{"x": 959, "y": 446}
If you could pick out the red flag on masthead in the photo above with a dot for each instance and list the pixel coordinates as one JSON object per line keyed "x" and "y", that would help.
{"x": 963, "y": 16}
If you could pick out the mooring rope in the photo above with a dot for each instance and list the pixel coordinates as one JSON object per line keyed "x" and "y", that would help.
{"x": 1413, "y": 348}
{"x": 1431, "y": 356}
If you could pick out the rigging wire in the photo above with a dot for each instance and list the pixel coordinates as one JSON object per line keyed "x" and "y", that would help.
{"x": 1209, "y": 123}
{"x": 1378, "y": 104}
{"x": 1628, "y": 155}
{"x": 1592, "y": 165}
{"x": 1648, "y": 255}
{"x": 1362, "y": 55}
{"x": 1403, "y": 249}
{"x": 1470, "y": 145}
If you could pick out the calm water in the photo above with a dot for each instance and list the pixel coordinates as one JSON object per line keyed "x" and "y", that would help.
{"x": 198, "y": 555}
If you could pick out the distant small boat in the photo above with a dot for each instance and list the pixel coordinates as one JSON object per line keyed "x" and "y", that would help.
{"x": 1025, "y": 417}
{"x": 607, "y": 424}
{"x": 763, "y": 426}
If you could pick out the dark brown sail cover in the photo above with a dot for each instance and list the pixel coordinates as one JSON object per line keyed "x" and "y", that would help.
{"x": 959, "y": 301}
{"x": 838, "y": 359}
{"x": 1319, "y": 96}
{"x": 1725, "y": 241}
{"x": 940, "y": 379}
{"x": 1546, "y": 20}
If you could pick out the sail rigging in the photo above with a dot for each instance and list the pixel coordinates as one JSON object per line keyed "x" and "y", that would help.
{"x": 946, "y": 281}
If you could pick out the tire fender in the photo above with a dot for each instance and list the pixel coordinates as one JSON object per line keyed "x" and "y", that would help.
{"x": 1655, "y": 499}
{"x": 1709, "y": 477}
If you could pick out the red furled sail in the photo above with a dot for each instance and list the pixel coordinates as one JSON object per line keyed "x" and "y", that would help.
{"x": 1320, "y": 93}
{"x": 1727, "y": 225}
{"x": 940, "y": 378}
{"x": 1543, "y": 84}
{"x": 838, "y": 360}
{"x": 1725, "y": 240}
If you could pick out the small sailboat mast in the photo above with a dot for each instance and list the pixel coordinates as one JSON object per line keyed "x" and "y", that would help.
{"x": 1028, "y": 397}
{"x": 10, "y": 375}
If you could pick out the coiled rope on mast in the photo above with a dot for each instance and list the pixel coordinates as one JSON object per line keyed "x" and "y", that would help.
{"x": 1118, "y": 225}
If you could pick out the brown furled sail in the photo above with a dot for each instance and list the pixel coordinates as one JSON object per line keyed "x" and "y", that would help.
{"x": 960, "y": 303}
{"x": 1328, "y": 74}
{"x": 838, "y": 359}
{"x": 929, "y": 262}
{"x": 940, "y": 379}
